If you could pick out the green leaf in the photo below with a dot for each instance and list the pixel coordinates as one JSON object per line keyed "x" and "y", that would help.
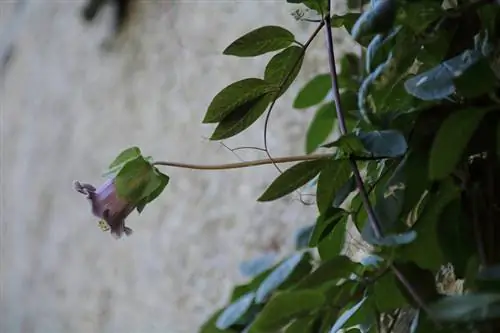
{"x": 278, "y": 276}
{"x": 331, "y": 178}
{"x": 344, "y": 192}
{"x": 159, "y": 182}
{"x": 434, "y": 51}
{"x": 351, "y": 72}
{"x": 489, "y": 14}
{"x": 466, "y": 308}
{"x": 292, "y": 179}
{"x": 387, "y": 295}
{"x": 348, "y": 143}
{"x": 438, "y": 82}
{"x": 378, "y": 19}
{"x": 425, "y": 251}
{"x": 388, "y": 239}
{"x": 284, "y": 67}
{"x": 252, "y": 285}
{"x": 390, "y": 196}
{"x": 313, "y": 92}
{"x": 451, "y": 141}
{"x": 416, "y": 179}
{"x": 321, "y": 127}
{"x": 454, "y": 235}
{"x": 468, "y": 84}
{"x": 418, "y": 15}
{"x": 302, "y": 325}
{"x": 377, "y": 52}
{"x": 371, "y": 260}
{"x": 365, "y": 318}
{"x": 422, "y": 323}
{"x": 209, "y": 325}
{"x": 284, "y": 307}
{"x": 338, "y": 267}
{"x": 256, "y": 266}
{"x": 422, "y": 281}
{"x": 235, "y": 96}
{"x": 235, "y": 311}
{"x": 302, "y": 237}
{"x": 325, "y": 224}
{"x": 344, "y": 318}
{"x": 260, "y": 41}
{"x": 386, "y": 143}
{"x": 125, "y": 156}
{"x": 333, "y": 244}
{"x": 241, "y": 118}
{"x": 347, "y": 20}
{"x": 136, "y": 180}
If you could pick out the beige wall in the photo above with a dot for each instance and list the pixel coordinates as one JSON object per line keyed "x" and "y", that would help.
{"x": 68, "y": 108}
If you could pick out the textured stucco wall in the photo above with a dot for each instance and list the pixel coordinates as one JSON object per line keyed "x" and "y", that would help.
{"x": 67, "y": 109}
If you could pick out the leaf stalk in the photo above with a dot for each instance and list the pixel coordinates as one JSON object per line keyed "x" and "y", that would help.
{"x": 266, "y": 161}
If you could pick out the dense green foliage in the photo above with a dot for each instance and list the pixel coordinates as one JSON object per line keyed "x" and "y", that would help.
{"x": 422, "y": 108}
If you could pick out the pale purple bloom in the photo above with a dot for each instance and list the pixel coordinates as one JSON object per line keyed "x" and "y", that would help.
{"x": 107, "y": 206}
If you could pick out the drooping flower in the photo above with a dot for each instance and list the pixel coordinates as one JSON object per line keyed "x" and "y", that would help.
{"x": 107, "y": 206}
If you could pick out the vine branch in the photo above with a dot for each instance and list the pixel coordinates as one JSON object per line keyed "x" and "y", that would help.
{"x": 375, "y": 224}
{"x": 372, "y": 217}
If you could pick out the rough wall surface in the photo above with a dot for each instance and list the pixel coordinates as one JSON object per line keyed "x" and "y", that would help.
{"x": 67, "y": 108}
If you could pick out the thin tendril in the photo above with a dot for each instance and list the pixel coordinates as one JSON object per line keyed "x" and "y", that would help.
{"x": 266, "y": 123}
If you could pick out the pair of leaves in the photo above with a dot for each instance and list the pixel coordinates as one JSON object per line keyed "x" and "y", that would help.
{"x": 137, "y": 180}
{"x": 235, "y": 96}
{"x": 239, "y": 105}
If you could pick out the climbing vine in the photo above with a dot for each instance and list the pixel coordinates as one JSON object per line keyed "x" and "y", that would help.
{"x": 415, "y": 168}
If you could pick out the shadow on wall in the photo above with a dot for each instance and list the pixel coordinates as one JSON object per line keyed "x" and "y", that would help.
{"x": 67, "y": 108}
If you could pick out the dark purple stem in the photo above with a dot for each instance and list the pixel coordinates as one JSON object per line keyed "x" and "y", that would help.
{"x": 372, "y": 217}
{"x": 375, "y": 224}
